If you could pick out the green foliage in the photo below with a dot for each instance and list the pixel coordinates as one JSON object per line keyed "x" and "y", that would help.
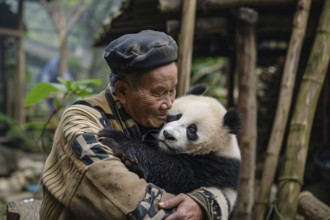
{"x": 40, "y": 92}
{"x": 3, "y": 208}
{"x": 211, "y": 71}
{"x": 65, "y": 88}
{"x": 73, "y": 3}
{"x": 62, "y": 93}
{"x": 20, "y": 135}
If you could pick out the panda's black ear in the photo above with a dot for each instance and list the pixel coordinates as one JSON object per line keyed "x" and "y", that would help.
{"x": 232, "y": 120}
{"x": 198, "y": 89}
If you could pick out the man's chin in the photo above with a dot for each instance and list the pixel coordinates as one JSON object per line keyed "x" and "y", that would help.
{"x": 155, "y": 124}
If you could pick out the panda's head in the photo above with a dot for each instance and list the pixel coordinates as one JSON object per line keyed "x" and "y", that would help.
{"x": 200, "y": 125}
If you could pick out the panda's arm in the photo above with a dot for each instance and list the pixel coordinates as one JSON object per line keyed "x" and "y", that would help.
{"x": 174, "y": 173}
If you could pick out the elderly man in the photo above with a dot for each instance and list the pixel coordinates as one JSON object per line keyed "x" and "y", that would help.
{"x": 82, "y": 178}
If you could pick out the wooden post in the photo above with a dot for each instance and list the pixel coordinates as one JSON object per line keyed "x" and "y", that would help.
{"x": 186, "y": 40}
{"x": 20, "y": 77}
{"x": 302, "y": 119}
{"x": 325, "y": 110}
{"x": 246, "y": 53}
{"x": 170, "y": 5}
{"x": 283, "y": 107}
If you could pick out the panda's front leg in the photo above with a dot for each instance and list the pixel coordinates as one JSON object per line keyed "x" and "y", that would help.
{"x": 113, "y": 138}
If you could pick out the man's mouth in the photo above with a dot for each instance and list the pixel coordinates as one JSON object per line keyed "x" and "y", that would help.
{"x": 162, "y": 117}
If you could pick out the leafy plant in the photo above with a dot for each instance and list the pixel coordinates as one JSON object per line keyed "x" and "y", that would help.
{"x": 211, "y": 71}
{"x": 21, "y": 135}
{"x": 60, "y": 91}
{"x": 63, "y": 93}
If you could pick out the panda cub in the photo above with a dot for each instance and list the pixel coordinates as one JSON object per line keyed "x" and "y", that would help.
{"x": 198, "y": 148}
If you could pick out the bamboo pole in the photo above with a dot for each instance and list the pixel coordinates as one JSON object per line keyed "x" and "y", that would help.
{"x": 325, "y": 108}
{"x": 283, "y": 107}
{"x": 302, "y": 119}
{"x": 246, "y": 53}
{"x": 186, "y": 40}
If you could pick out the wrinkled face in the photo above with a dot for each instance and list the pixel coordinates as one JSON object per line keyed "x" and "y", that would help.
{"x": 194, "y": 125}
{"x": 149, "y": 102}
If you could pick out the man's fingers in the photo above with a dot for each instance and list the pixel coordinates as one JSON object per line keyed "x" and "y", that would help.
{"x": 185, "y": 208}
{"x": 172, "y": 203}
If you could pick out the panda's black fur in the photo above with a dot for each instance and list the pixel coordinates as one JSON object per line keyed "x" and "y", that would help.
{"x": 176, "y": 173}
{"x": 180, "y": 171}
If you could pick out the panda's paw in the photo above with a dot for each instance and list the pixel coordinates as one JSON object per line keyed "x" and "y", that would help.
{"x": 113, "y": 138}
{"x": 112, "y": 143}
{"x": 112, "y": 133}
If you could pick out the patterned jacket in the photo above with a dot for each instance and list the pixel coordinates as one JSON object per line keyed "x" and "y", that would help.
{"x": 83, "y": 180}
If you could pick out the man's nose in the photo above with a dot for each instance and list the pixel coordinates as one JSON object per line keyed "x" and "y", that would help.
{"x": 167, "y": 103}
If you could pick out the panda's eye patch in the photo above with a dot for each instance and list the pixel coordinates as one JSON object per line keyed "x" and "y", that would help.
{"x": 192, "y": 132}
{"x": 171, "y": 118}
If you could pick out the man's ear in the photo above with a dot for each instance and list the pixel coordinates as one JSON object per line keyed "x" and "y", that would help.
{"x": 121, "y": 91}
{"x": 198, "y": 89}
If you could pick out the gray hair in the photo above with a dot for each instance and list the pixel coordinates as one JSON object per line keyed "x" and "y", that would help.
{"x": 134, "y": 79}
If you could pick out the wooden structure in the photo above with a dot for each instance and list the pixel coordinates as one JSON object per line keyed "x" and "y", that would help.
{"x": 11, "y": 32}
{"x": 282, "y": 112}
{"x": 214, "y": 27}
{"x": 246, "y": 55}
{"x": 303, "y": 117}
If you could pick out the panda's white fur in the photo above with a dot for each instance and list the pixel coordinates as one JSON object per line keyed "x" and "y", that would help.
{"x": 207, "y": 113}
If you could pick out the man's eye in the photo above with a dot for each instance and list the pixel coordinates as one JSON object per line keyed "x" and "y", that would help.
{"x": 158, "y": 92}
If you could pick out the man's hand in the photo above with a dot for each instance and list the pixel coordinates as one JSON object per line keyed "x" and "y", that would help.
{"x": 186, "y": 208}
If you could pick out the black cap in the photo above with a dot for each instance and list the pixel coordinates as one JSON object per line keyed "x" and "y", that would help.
{"x": 140, "y": 52}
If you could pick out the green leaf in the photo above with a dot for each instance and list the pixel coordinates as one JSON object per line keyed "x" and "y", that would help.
{"x": 95, "y": 82}
{"x": 60, "y": 87}
{"x": 39, "y": 93}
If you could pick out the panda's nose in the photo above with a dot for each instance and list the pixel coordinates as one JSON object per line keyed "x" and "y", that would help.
{"x": 168, "y": 136}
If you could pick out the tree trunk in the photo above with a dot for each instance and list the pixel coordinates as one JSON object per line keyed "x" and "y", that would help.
{"x": 63, "y": 50}
{"x": 283, "y": 107}
{"x": 302, "y": 119}
{"x": 246, "y": 62}
{"x": 186, "y": 40}
{"x": 20, "y": 77}
{"x": 64, "y": 28}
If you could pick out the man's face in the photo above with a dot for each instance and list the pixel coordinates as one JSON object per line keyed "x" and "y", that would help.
{"x": 149, "y": 103}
